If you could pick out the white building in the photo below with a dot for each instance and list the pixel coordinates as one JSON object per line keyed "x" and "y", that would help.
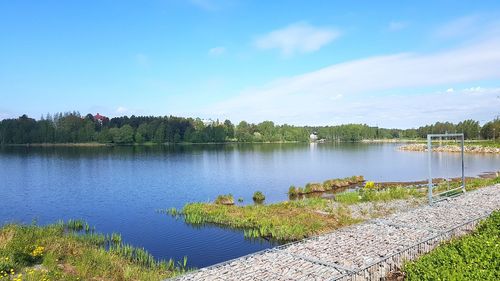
{"x": 313, "y": 137}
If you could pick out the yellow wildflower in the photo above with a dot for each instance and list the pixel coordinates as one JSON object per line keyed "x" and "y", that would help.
{"x": 38, "y": 251}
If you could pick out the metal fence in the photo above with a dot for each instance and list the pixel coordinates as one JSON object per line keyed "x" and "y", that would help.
{"x": 380, "y": 269}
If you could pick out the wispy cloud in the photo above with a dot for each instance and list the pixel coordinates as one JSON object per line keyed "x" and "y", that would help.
{"x": 122, "y": 110}
{"x": 397, "y": 25}
{"x": 217, "y": 51}
{"x": 310, "y": 98}
{"x": 299, "y": 37}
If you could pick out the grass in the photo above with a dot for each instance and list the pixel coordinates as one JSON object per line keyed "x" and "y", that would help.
{"x": 327, "y": 185}
{"x": 297, "y": 219}
{"x": 485, "y": 143}
{"x": 58, "y": 252}
{"x": 472, "y": 257}
{"x": 371, "y": 195}
{"x": 285, "y": 221}
{"x": 470, "y": 184}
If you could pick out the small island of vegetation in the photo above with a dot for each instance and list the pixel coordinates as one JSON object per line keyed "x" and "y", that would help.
{"x": 306, "y": 217}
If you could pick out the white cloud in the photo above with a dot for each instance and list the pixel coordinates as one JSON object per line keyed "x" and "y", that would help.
{"x": 122, "y": 110}
{"x": 397, "y": 25}
{"x": 217, "y": 51}
{"x": 450, "y": 90}
{"x": 299, "y": 37}
{"x": 4, "y": 115}
{"x": 310, "y": 98}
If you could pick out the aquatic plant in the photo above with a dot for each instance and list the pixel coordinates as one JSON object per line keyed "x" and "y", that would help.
{"x": 258, "y": 196}
{"x": 227, "y": 199}
{"x": 331, "y": 184}
{"x": 75, "y": 225}
{"x": 289, "y": 220}
{"x": 292, "y": 191}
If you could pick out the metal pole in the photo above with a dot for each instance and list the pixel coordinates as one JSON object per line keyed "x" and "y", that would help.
{"x": 463, "y": 174}
{"x": 429, "y": 154}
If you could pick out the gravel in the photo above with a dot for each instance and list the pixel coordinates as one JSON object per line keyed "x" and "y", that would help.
{"x": 353, "y": 248}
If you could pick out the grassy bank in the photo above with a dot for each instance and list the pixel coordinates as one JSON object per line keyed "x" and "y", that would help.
{"x": 297, "y": 219}
{"x": 72, "y": 251}
{"x": 473, "y": 257}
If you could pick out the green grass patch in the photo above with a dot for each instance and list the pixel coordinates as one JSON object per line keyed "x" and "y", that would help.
{"x": 371, "y": 195}
{"x": 58, "y": 252}
{"x": 285, "y": 221}
{"x": 472, "y": 257}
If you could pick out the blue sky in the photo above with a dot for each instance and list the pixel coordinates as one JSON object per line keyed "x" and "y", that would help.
{"x": 391, "y": 64}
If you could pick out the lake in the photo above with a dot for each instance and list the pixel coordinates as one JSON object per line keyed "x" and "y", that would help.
{"x": 120, "y": 189}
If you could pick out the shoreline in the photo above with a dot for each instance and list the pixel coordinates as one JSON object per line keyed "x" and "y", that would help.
{"x": 471, "y": 148}
{"x": 99, "y": 144}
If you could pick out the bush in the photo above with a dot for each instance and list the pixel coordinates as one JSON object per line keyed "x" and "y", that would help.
{"x": 258, "y": 196}
{"x": 292, "y": 191}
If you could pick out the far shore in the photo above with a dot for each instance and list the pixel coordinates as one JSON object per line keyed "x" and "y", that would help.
{"x": 410, "y": 142}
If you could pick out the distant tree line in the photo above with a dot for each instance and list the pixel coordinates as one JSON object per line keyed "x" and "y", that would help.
{"x": 71, "y": 127}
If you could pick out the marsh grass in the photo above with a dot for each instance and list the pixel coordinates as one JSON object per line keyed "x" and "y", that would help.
{"x": 297, "y": 219}
{"x": 285, "y": 221}
{"x": 328, "y": 185}
{"x": 226, "y": 199}
{"x": 258, "y": 197}
{"x": 66, "y": 251}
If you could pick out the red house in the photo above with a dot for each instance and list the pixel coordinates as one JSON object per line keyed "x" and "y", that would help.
{"x": 100, "y": 118}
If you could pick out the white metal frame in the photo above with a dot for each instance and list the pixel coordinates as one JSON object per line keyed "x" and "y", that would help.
{"x": 431, "y": 196}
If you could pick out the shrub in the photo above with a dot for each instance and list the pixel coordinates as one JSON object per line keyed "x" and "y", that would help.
{"x": 258, "y": 196}
{"x": 292, "y": 191}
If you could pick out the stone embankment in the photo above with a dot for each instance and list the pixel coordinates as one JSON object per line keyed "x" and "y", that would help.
{"x": 451, "y": 148}
{"x": 366, "y": 251}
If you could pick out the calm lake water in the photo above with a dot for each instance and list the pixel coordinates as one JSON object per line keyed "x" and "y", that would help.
{"x": 120, "y": 188}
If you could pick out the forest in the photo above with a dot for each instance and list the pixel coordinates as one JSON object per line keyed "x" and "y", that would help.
{"x": 72, "y": 127}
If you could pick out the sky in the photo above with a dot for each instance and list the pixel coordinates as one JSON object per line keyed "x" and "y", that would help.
{"x": 384, "y": 63}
